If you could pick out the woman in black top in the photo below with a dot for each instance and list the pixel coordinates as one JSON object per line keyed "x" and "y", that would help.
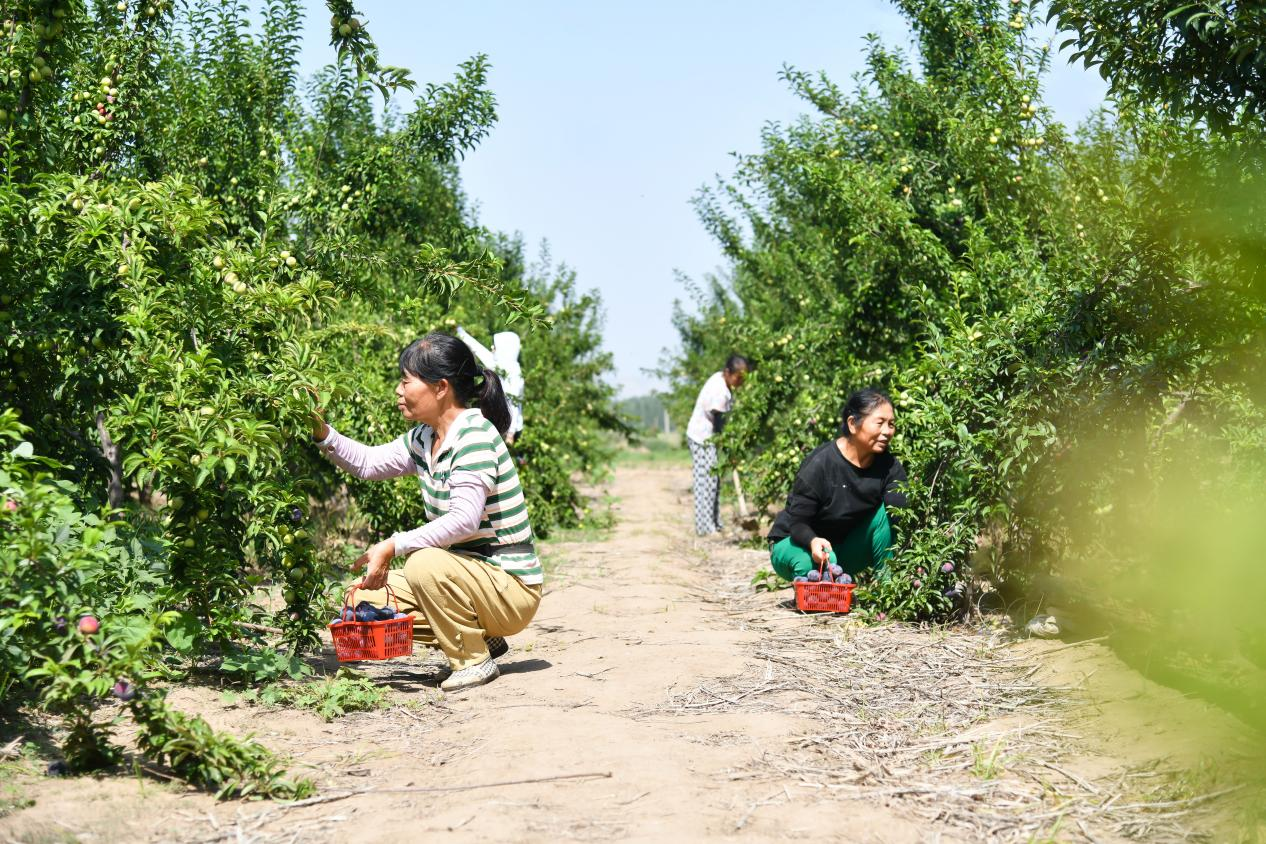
{"x": 837, "y": 511}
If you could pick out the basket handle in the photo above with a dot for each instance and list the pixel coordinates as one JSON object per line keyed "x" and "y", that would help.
{"x": 391, "y": 596}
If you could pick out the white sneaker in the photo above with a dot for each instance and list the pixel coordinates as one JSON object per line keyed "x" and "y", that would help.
{"x": 475, "y": 675}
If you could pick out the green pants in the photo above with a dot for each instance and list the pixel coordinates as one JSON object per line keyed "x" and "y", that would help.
{"x": 869, "y": 545}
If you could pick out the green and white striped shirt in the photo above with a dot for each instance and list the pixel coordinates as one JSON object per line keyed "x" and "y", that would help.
{"x": 472, "y": 445}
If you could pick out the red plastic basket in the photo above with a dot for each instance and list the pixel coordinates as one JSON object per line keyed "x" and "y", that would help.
{"x": 824, "y": 597}
{"x": 363, "y": 640}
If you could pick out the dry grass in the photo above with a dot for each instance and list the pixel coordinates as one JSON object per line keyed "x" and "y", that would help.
{"x": 947, "y": 726}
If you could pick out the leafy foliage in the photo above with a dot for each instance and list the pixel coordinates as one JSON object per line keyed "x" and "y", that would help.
{"x": 1017, "y": 289}
{"x": 1205, "y": 59}
{"x": 197, "y": 249}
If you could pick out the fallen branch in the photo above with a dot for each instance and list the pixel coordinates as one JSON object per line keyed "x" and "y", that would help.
{"x": 448, "y": 788}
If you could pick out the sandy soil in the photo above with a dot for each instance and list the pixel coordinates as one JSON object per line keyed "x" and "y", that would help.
{"x": 612, "y": 720}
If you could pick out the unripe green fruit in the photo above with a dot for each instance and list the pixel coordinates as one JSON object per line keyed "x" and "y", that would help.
{"x": 34, "y": 76}
{"x": 188, "y": 543}
{"x": 203, "y": 513}
{"x": 105, "y": 82}
{"x": 122, "y": 270}
{"x": 239, "y": 287}
{"x": 345, "y": 30}
{"x": 291, "y": 262}
{"x": 217, "y": 262}
{"x": 230, "y": 277}
{"x": 195, "y": 460}
{"x": 121, "y": 6}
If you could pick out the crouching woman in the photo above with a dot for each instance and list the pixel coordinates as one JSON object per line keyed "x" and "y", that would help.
{"x": 471, "y": 576}
{"x": 837, "y": 512}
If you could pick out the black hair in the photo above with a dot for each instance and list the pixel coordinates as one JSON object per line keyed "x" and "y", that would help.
{"x": 736, "y": 362}
{"x": 860, "y": 405}
{"x": 437, "y": 357}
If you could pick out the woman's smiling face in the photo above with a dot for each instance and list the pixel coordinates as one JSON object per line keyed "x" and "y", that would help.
{"x": 872, "y": 433}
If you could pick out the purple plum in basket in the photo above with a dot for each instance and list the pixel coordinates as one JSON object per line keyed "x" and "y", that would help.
{"x": 836, "y": 571}
{"x": 844, "y": 577}
{"x": 814, "y": 576}
{"x": 800, "y": 579}
{"x": 369, "y": 614}
{"x": 400, "y": 615}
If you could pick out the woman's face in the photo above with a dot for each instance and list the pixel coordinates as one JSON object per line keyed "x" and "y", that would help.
{"x": 873, "y": 432}
{"x": 421, "y": 401}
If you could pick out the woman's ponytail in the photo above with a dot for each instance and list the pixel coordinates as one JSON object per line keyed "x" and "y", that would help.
{"x": 492, "y": 402}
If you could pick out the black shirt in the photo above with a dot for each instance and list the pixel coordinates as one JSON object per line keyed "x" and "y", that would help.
{"x": 830, "y": 495}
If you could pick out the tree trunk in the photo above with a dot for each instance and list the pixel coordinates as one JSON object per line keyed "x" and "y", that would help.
{"x": 110, "y": 452}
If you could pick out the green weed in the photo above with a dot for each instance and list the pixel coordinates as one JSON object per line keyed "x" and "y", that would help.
{"x": 330, "y": 698}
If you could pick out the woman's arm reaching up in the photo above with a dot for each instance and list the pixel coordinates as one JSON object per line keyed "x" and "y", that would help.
{"x": 367, "y": 462}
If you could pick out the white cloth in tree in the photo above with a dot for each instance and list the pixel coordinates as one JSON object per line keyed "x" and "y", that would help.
{"x": 503, "y": 357}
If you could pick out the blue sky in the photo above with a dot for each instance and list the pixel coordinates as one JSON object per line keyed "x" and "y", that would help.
{"x": 612, "y": 116}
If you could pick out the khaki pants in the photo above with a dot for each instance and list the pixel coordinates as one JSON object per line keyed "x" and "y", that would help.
{"x": 456, "y": 601}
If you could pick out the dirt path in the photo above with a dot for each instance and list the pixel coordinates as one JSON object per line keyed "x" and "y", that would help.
{"x": 656, "y": 697}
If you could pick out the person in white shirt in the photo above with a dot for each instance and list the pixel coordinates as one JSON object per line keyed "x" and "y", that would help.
{"x": 714, "y": 402}
{"x": 503, "y": 359}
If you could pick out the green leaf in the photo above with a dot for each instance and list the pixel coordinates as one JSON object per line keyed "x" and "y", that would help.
{"x": 182, "y": 633}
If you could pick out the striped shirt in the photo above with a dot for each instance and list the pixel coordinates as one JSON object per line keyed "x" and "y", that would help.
{"x": 472, "y": 448}
{"x": 473, "y": 445}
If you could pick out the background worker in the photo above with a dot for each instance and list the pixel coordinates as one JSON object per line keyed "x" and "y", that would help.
{"x": 837, "y": 511}
{"x": 715, "y": 400}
